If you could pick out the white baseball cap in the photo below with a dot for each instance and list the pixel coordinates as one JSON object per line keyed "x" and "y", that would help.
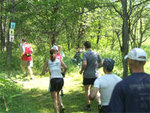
{"x": 137, "y": 54}
{"x": 55, "y": 47}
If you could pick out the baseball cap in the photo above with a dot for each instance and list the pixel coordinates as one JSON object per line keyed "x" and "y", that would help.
{"x": 108, "y": 64}
{"x": 137, "y": 54}
{"x": 55, "y": 47}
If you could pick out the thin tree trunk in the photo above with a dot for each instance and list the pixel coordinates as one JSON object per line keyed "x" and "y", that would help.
{"x": 125, "y": 37}
{"x": 98, "y": 36}
{"x": 1, "y": 29}
{"x": 9, "y": 44}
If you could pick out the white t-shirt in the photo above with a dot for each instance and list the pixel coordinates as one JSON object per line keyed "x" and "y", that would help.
{"x": 106, "y": 84}
{"x": 55, "y": 68}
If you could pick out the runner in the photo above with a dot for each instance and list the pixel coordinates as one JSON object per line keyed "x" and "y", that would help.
{"x": 59, "y": 56}
{"x": 56, "y": 79}
{"x": 77, "y": 57}
{"x": 26, "y": 59}
{"x": 90, "y": 64}
{"x": 105, "y": 84}
{"x": 132, "y": 94}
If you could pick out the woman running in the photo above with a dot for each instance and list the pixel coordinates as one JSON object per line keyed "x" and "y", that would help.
{"x": 56, "y": 79}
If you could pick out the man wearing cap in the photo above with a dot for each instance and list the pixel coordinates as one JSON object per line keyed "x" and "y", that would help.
{"x": 132, "y": 95}
{"x": 105, "y": 84}
{"x": 90, "y": 64}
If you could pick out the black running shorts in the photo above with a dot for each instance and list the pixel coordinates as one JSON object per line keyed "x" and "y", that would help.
{"x": 88, "y": 81}
{"x": 56, "y": 84}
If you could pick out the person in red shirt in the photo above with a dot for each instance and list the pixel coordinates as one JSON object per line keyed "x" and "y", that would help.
{"x": 26, "y": 57}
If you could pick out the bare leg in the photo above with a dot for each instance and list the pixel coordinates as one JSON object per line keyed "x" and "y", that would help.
{"x": 98, "y": 98}
{"x": 30, "y": 71}
{"x": 87, "y": 93}
{"x": 23, "y": 69}
{"x": 55, "y": 102}
{"x": 59, "y": 99}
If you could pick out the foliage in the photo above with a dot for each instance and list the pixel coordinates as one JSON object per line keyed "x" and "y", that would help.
{"x": 8, "y": 89}
{"x": 67, "y": 23}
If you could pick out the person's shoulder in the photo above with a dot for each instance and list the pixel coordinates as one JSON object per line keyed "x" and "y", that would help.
{"x": 117, "y": 76}
{"x": 99, "y": 80}
{"x": 94, "y": 52}
{"x": 103, "y": 77}
{"x": 147, "y": 77}
{"x": 49, "y": 61}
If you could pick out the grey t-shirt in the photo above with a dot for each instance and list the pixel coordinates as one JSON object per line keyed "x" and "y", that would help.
{"x": 93, "y": 59}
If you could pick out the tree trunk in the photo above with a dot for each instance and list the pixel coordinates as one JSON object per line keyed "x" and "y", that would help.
{"x": 9, "y": 44}
{"x": 1, "y": 29}
{"x": 125, "y": 37}
{"x": 98, "y": 36}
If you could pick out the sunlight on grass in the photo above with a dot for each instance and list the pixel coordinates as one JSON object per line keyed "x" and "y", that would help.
{"x": 36, "y": 92}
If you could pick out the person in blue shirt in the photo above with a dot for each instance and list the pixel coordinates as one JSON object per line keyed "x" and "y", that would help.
{"x": 132, "y": 95}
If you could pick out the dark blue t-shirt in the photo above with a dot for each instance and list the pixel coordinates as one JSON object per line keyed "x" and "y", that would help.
{"x": 132, "y": 95}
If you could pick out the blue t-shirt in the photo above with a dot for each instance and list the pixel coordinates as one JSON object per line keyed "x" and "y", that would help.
{"x": 93, "y": 59}
{"x": 132, "y": 95}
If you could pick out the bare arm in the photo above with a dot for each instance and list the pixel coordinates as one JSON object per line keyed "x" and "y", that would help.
{"x": 93, "y": 93}
{"x": 84, "y": 63}
{"x": 45, "y": 68}
{"x": 100, "y": 64}
{"x": 64, "y": 66}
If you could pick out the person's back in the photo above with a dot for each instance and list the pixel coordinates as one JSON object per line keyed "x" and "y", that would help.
{"x": 106, "y": 84}
{"x": 77, "y": 55}
{"x": 132, "y": 95}
{"x": 26, "y": 57}
{"x": 93, "y": 60}
{"x": 27, "y": 51}
{"x": 135, "y": 90}
{"x": 55, "y": 68}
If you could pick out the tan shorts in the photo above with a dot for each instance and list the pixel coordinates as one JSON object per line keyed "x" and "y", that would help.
{"x": 27, "y": 63}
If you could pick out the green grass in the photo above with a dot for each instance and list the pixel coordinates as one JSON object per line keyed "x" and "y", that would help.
{"x": 33, "y": 95}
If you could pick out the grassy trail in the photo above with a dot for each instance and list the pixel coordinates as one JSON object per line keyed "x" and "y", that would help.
{"x": 35, "y": 97}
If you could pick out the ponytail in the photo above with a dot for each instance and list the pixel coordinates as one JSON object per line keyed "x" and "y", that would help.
{"x": 52, "y": 56}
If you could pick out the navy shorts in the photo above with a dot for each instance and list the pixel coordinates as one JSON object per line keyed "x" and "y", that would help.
{"x": 88, "y": 81}
{"x": 56, "y": 84}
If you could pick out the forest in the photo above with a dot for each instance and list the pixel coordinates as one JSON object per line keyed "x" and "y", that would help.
{"x": 113, "y": 27}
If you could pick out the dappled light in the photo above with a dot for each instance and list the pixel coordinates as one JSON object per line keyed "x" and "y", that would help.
{"x": 34, "y": 33}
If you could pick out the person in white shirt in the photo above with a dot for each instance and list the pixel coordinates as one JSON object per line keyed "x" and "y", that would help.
{"x": 56, "y": 79}
{"x": 105, "y": 84}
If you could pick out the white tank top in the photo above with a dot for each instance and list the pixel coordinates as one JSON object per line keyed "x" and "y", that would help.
{"x": 55, "y": 68}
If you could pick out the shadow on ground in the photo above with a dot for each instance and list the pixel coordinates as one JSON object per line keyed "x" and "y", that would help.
{"x": 39, "y": 101}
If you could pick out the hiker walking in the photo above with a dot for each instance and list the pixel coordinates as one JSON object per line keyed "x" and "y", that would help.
{"x": 90, "y": 64}
{"x": 56, "y": 79}
{"x": 132, "y": 94}
{"x": 26, "y": 57}
{"x": 105, "y": 84}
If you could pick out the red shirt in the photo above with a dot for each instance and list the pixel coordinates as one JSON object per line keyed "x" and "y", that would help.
{"x": 27, "y": 49}
{"x": 58, "y": 56}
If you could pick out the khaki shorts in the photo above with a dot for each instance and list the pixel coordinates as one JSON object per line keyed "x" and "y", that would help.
{"x": 27, "y": 63}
